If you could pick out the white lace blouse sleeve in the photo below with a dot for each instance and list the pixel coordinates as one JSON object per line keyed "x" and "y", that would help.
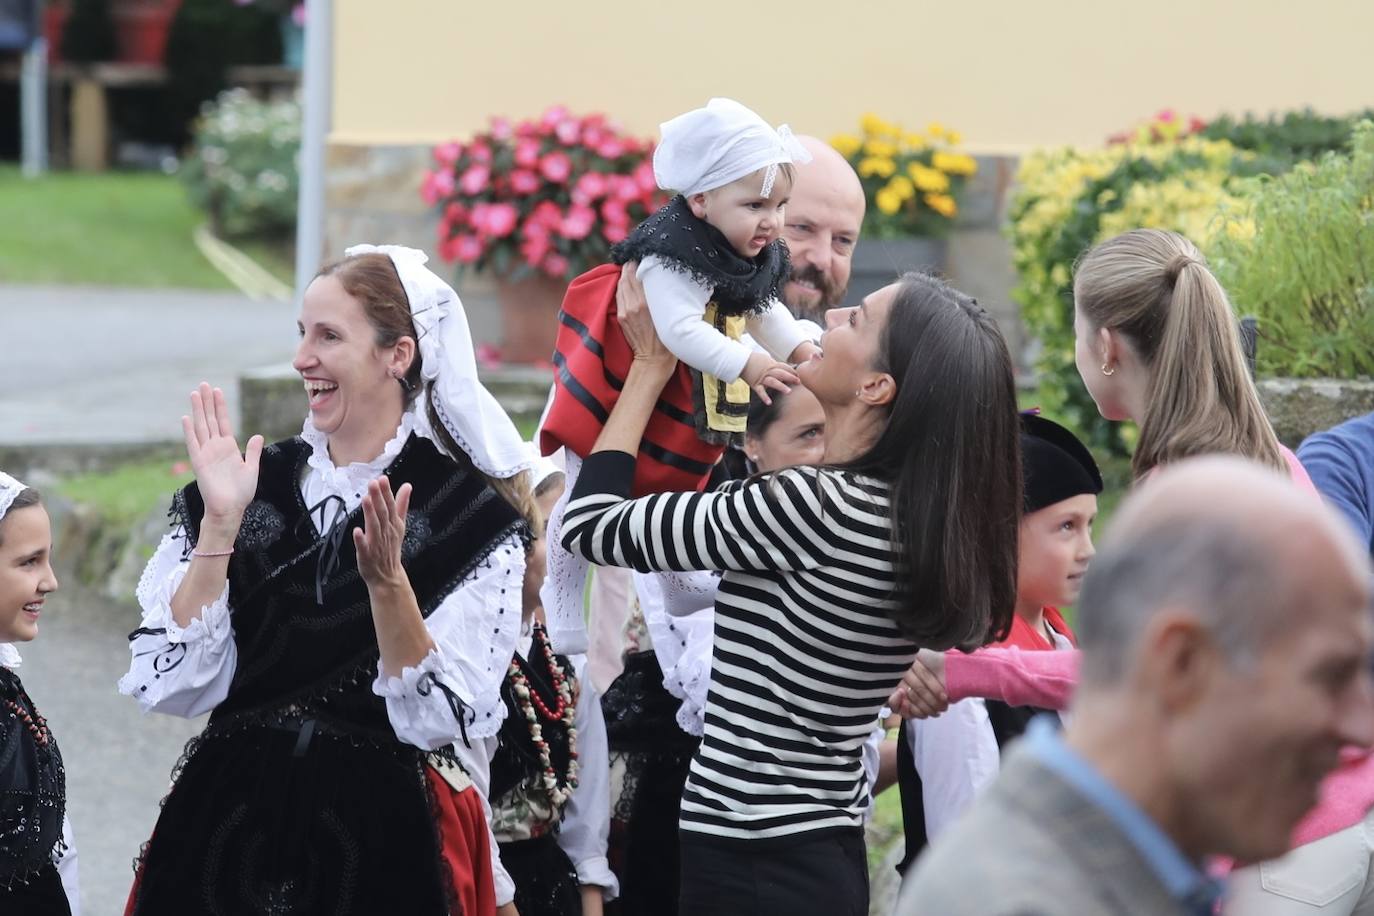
{"x": 778, "y": 331}
{"x": 180, "y": 671}
{"x": 679, "y": 610}
{"x": 474, "y": 629}
{"x": 587, "y": 822}
{"x": 66, "y": 869}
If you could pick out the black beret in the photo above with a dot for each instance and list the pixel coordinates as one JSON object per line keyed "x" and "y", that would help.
{"x": 1055, "y": 465}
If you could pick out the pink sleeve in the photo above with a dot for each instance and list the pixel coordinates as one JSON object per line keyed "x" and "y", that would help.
{"x": 1297, "y": 471}
{"x": 1016, "y": 677}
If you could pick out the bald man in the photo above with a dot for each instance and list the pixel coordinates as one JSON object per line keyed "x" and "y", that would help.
{"x": 824, "y": 214}
{"x": 1207, "y": 714}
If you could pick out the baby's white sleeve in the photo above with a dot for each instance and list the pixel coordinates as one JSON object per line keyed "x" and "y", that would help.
{"x": 777, "y": 331}
{"x": 676, "y": 303}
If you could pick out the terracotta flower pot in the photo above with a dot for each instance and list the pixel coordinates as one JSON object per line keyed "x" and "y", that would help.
{"x": 529, "y": 317}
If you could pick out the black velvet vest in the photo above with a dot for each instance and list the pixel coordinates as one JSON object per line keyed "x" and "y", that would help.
{"x": 298, "y": 798}
{"x": 33, "y": 787}
{"x": 516, "y": 758}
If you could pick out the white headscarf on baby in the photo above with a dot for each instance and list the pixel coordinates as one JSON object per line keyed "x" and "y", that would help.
{"x": 472, "y": 416}
{"x": 710, "y": 147}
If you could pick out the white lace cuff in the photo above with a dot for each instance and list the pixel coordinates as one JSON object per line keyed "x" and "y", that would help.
{"x": 474, "y": 629}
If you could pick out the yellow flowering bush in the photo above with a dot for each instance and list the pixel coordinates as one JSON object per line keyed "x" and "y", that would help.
{"x": 912, "y": 179}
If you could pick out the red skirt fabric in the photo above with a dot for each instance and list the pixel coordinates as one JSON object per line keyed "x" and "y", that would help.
{"x": 467, "y": 852}
{"x": 463, "y": 828}
{"x": 592, "y": 358}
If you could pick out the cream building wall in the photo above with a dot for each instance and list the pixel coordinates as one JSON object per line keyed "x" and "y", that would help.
{"x": 1009, "y": 75}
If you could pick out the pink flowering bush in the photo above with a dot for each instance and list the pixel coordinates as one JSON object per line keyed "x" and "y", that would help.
{"x": 550, "y": 195}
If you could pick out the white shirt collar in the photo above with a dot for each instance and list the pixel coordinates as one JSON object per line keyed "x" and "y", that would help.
{"x": 349, "y": 481}
{"x": 9, "y": 656}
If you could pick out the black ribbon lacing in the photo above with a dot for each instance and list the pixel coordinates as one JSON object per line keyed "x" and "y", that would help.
{"x": 464, "y": 713}
{"x": 332, "y": 540}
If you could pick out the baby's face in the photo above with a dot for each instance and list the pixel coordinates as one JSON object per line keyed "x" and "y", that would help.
{"x": 747, "y": 219}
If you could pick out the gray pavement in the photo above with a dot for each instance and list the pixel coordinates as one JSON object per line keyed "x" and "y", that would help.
{"x": 86, "y": 365}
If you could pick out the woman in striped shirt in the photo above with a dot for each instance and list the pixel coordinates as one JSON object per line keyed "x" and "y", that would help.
{"x": 904, "y": 536}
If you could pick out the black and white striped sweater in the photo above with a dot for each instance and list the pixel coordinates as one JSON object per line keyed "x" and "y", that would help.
{"x": 805, "y": 653}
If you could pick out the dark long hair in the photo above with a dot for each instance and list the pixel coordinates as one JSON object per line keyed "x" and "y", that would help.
{"x": 951, "y": 456}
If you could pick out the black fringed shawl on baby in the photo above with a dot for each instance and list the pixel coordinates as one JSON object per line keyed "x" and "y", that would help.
{"x": 299, "y": 798}
{"x": 33, "y": 797}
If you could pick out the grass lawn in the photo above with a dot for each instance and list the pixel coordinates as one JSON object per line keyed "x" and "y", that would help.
{"x": 115, "y": 229}
{"x": 128, "y": 493}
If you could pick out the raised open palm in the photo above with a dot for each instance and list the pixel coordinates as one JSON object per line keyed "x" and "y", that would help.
{"x": 227, "y": 478}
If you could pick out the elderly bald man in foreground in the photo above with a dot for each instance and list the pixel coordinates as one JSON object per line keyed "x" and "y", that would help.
{"x": 1226, "y": 629}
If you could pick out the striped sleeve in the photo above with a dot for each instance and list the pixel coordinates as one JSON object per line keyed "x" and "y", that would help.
{"x": 773, "y": 523}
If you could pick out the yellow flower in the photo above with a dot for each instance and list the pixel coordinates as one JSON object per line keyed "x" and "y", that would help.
{"x": 902, "y": 186}
{"x": 955, "y": 163}
{"x": 883, "y": 149}
{"x": 942, "y": 204}
{"x": 846, "y": 144}
{"x": 1240, "y": 230}
{"x": 928, "y": 179}
{"x": 954, "y": 137}
{"x": 870, "y": 166}
{"x": 935, "y": 129}
{"x": 872, "y": 124}
{"x": 888, "y": 201}
{"x": 914, "y": 140}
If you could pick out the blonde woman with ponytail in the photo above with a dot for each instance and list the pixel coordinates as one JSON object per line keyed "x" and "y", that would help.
{"x": 1158, "y": 343}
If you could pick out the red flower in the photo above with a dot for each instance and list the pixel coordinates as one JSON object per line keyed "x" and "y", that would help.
{"x": 523, "y": 181}
{"x": 613, "y": 232}
{"x": 552, "y": 115}
{"x": 1196, "y": 125}
{"x": 455, "y": 214}
{"x": 488, "y": 356}
{"x": 437, "y": 185}
{"x": 555, "y": 265}
{"x": 467, "y": 248}
{"x": 547, "y": 215}
{"x": 623, "y": 188}
{"x": 592, "y": 185}
{"x": 1166, "y": 116}
{"x": 527, "y": 152}
{"x": 474, "y": 180}
{"x": 644, "y": 177}
{"x": 613, "y": 211}
{"x": 611, "y": 148}
{"x": 567, "y": 132}
{"x": 534, "y": 247}
{"x": 479, "y": 151}
{"x": 578, "y": 223}
{"x": 448, "y": 153}
{"x": 556, "y": 166}
{"x": 500, "y": 128}
{"x": 501, "y": 219}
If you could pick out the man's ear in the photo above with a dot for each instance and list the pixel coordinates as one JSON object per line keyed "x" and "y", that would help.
{"x": 1179, "y": 659}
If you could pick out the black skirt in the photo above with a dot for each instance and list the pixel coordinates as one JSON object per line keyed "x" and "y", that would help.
{"x": 41, "y": 894}
{"x": 643, "y": 736}
{"x": 545, "y": 880}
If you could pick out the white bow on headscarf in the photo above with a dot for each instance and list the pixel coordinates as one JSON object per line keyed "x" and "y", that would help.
{"x": 10, "y": 488}
{"x": 472, "y": 416}
{"x": 710, "y": 147}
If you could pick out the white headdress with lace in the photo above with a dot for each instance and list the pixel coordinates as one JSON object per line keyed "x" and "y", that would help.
{"x": 469, "y": 412}
{"x": 10, "y": 488}
{"x": 707, "y": 148}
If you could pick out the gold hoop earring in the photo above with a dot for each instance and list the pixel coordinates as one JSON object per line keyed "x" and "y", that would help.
{"x": 1106, "y": 371}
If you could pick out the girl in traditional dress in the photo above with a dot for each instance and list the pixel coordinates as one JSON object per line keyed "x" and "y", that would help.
{"x": 35, "y": 856}
{"x": 345, "y": 604}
